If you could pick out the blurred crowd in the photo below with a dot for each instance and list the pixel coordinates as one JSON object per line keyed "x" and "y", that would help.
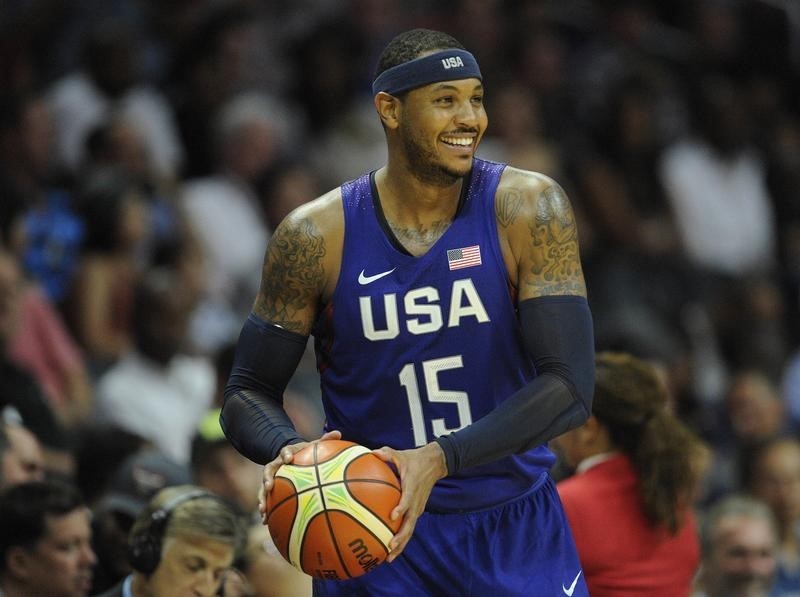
{"x": 149, "y": 147}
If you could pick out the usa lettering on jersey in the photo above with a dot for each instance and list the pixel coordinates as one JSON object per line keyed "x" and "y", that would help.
{"x": 423, "y": 313}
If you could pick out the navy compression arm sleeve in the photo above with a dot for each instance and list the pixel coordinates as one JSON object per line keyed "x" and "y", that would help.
{"x": 559, "y": 338}
{"x": 252, "y": 416}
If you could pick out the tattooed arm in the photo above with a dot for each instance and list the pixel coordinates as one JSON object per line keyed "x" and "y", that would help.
{"x": 300, "y": 266}
{"x": 537, "y": 228}
{"x": 540, "y": 247}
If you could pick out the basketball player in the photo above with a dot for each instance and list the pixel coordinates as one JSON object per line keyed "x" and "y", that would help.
{"x": 453, "y": 336}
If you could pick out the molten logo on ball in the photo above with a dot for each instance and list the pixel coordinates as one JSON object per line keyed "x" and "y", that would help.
{"x": 329, "y": 511}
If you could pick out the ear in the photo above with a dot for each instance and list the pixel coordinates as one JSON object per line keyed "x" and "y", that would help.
{"x": 17, "y": 559}
{"x": 388, "y": 108}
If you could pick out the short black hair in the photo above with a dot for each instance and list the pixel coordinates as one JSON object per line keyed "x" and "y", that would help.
{"x": 24, "y": 509}
{"x": 410, "y": 44}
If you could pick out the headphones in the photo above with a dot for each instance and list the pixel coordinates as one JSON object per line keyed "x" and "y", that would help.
{"x": 144, "y": 548}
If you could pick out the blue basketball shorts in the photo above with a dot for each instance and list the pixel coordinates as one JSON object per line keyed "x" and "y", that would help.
{"x": 521, "y": 547}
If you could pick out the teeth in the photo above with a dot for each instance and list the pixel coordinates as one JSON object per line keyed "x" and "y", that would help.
{"x": 457, "y": 141}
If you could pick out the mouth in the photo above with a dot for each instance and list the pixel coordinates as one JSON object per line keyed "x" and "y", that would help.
{"x": 463, "y": 142}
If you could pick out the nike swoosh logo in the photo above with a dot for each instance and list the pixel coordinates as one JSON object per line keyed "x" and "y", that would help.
{"x": 571, "y": 590}
{"x": 362, "y": 279}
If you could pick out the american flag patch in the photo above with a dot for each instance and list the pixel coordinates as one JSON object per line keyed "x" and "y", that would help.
{"x": 464, "y": 257}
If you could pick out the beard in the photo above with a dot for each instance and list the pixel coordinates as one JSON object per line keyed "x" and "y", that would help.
{"x": 423, "y": 162}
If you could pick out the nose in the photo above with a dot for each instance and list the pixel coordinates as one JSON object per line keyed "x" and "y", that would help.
{"x": 207, "y": 584}
{"x": 88, "y": 557}
{"x": 467, "y": 114}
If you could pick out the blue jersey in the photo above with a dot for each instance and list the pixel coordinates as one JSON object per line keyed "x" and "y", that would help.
{"x": 410, "y": 348}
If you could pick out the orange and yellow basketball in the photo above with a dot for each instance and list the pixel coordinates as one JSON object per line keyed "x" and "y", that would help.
{"x": 328, "y": 511}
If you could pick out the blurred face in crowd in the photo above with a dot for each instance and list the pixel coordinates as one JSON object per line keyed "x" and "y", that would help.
{"x": 60, "y": 564}
{"x": 23, "y": 461}
{"x": 190, "y": 566}
{"x": 9, "y": 294}
{"x": 754, "y": 406}
{"x": 777, "y": 481}
{"x": 36, "y": 137}
{"x": 230, "y": 475}
{"x": 743, "y": 560}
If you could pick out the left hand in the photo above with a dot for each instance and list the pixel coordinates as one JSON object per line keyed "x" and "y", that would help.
{"x": 420, "y": 469}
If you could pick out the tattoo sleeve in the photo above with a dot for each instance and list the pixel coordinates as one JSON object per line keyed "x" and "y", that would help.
{"x": 292, "y": 276}
{"x": 555, "y": 267}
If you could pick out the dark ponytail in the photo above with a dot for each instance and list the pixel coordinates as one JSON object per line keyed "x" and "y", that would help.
{"x": 632, "y": 401}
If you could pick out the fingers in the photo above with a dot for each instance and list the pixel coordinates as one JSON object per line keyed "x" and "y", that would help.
{"x": 398, "y": 543}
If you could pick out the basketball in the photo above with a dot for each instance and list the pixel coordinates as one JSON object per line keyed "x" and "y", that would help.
{"x": 328, "y": 511}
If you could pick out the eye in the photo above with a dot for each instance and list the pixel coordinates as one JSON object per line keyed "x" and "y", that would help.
{"x": 444, "y": 100}
{"x": 477, "y": 100}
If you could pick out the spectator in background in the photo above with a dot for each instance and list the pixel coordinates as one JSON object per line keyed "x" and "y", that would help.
{"x": 37, "y": 340}
{"x": 751, "y": 412}
{"x": 108, "y": 82}
{"x": 21, "y": 456}
{"x": 100, "y": 302}
{"x": 224, "y": 210}
{"x": 137, "y": 480}
{"x": 773, "y": 476}
{"x": 45, "y": 541}
{"x": 18, "y": 390}
{"x": 207, "y": 72}
{"x": 183, "y": 543}
{"x": 739, "y": 541}
{"x": 156, "y": 390}
{"x": 716, "y": 186}
{"x": 629, "y": 505}
{"x": 119, "y": 145}
{"x": 39, "y": 219}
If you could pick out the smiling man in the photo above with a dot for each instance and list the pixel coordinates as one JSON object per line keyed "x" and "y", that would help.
{"x": 453, "y": 337}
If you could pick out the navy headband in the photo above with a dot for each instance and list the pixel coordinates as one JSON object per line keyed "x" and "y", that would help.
{"x": 447, "y": 65}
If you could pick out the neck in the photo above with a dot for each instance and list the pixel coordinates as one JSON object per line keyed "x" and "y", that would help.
{"x": 418, "y": 214}
{"x": 405, "y": 198}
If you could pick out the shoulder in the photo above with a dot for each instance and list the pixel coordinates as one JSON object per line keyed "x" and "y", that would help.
{"x": 324, "y": 213}
{"x": 315, "y": 227}
{"x": 525, "y": 195}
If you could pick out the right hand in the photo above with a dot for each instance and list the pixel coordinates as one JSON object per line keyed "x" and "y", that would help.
{"x": 285, "y": 457}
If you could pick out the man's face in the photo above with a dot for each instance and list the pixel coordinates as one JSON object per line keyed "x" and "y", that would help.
{"x": 777, "y": 481}
{"x": 61, "y": 562}
{"x": 744, "y": 558}
{"x": 24, "y": 461}
{"x": 440, "y": 128}
{"x": 190, "y": 566}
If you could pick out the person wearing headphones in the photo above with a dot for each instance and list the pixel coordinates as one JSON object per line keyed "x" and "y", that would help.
{"x": 184, "y": 543}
